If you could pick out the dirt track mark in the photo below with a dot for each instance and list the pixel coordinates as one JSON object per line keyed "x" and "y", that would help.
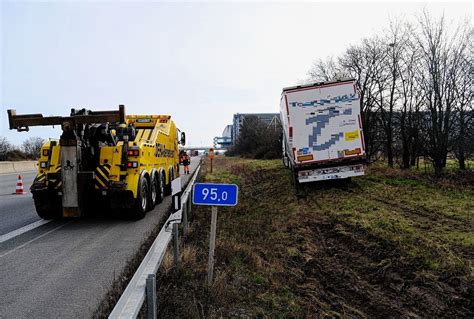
{"x": 357, "y": 274}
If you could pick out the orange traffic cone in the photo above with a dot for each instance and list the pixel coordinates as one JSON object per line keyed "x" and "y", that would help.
{"x": 19, "y": 186}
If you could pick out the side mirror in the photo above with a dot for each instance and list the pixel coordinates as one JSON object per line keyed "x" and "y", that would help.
{"x": 183, "y": 138}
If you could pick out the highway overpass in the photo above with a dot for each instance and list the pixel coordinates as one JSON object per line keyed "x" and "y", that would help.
{"x": 203, "y": 148}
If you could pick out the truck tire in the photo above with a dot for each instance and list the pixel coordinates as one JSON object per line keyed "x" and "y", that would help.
{"x": 285, "y": 161}
{"x": 161, "y": 188}
{"x": 294, "y": 178}
{"x": 152, "y": 198}
{"x": 141, "y": 203}
{"x": 46, "y": 209}
{"x": 345, "y": 182}
{"x": 156, "y": 190}
{"x": 168, "y": 186}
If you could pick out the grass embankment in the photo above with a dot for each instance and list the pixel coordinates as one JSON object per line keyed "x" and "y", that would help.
{"x": 389, "y": 244}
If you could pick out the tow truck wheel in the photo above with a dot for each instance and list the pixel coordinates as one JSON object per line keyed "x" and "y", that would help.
{"x": 157, "y": 190}
{"x": 161, "y": 189}
{"x": 168, "y": 186}
{"x": 45, "y": 209}
{"x": 141, "y": 203}
{"x": 153, "y": 192}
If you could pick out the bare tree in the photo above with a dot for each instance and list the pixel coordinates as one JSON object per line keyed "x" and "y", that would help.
{"x": 364, "y": 62}
{"x": 32, "y": 147}
{"x": 415, "y": 85}
{"x": 464, "y": 132}
{"x": 440, "y": 63}
{"x": 5, "y": 148}
{"x": 410, "y": 115}
{"x": 326, "y": 70}
{"x": 388, "y": 82}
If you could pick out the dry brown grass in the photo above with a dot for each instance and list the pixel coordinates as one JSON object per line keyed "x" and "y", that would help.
{"x": 391, "y": 245}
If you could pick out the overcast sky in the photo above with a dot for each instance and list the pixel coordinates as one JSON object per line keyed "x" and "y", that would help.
{"x": 199, "y": 62}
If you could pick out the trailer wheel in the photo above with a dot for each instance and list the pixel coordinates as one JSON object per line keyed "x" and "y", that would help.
{"x": 294, "y": 178}
{"x": 141, "y": 203}
{"x": 285, "y": 161}
{"x": 345, "y": 182}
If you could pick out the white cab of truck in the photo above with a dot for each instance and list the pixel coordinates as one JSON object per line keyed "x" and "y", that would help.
{"x": 322, "y": 131}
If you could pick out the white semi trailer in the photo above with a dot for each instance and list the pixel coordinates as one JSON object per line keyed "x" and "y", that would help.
{"x": 322, "y": 131}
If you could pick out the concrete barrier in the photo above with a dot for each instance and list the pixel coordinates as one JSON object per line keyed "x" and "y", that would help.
{"x": 24, "y": 166}
{"x": 7, "y": 167}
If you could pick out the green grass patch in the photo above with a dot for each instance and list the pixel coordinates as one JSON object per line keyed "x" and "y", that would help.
{"x": 341, "y": 250}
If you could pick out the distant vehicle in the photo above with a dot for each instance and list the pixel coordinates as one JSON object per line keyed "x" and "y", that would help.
{"x": 322, "y": 131}
{"x": 103, "y": 158}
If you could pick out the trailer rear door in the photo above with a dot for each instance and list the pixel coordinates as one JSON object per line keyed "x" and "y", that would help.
{"x": 325, "y": 122}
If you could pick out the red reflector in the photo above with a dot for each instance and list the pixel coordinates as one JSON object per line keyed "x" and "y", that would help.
{"x": 130, "y": 152}
{"x": 290, "y": 131}
{"x": 132, "y": 164}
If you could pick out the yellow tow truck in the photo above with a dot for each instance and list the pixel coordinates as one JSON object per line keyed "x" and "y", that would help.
{"x": 103, "y": 160}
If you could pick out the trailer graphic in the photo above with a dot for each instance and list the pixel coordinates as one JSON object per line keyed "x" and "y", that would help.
{"x": 321, "y": 102}
{"x": 321, "y": 121}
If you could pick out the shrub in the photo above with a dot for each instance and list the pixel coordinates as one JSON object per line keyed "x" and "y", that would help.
{"x": 257, "y": 140}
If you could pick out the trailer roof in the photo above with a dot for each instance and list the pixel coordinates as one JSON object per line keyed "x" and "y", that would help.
{"x": 317, "y": 84}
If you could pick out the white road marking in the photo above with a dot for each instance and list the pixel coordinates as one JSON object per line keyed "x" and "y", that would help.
{"x": 22, "y": 230}
{"x": 34, "y": 239}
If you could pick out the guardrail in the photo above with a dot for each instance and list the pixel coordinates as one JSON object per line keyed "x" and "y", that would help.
{"x": 143, "y": 281}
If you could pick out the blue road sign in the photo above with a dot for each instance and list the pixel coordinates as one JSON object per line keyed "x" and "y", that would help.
{"x": 215, "y": 194}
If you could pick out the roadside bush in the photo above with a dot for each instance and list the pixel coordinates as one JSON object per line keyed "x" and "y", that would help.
{"x": 257, "y": 140}
{"x": 16, "y": 155}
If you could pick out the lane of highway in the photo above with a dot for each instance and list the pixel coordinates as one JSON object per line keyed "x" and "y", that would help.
{"x": 64, "y": 268}
{"x": 16, "y": 211}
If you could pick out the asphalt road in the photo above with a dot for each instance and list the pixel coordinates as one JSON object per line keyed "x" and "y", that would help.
{"x": 64, "y": 268}
{"x": 16, "y": 211}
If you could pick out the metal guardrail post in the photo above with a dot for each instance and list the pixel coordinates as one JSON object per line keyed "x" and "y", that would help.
{"x": 190, "y": 203}
{"x": 212, "y": 246}
{"x": 185, "y": 217}
{"x": 151, "y": 296}
{"x": 175, "y": 246}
